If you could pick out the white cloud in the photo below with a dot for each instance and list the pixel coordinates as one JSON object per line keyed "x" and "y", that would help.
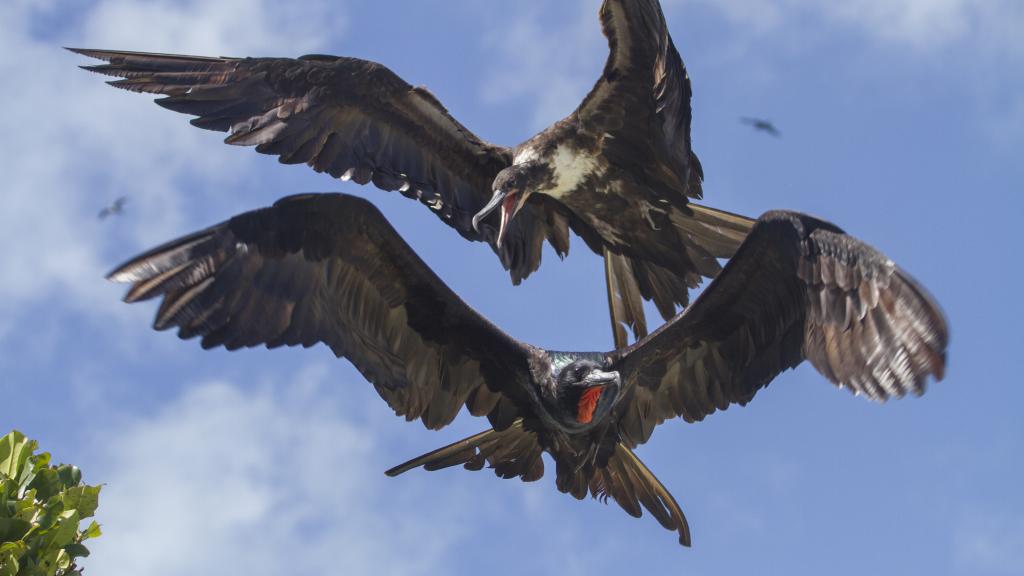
{"x": 223, "y": 28}
{"x": 922, "y": 24}
{"x": 553, "y": 65}
{"x": 226, "y": 481}
{"x": 71, "y": 144}
{"x": 753, "y": 15}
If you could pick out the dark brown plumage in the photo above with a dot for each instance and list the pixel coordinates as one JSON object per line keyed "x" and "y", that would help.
{"x": 357, "y": 120}
{"x": 329, "y": 268}
{"x": 622, "y": 168}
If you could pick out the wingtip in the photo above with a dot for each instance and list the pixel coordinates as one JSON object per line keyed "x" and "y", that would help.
{"x": 116, "y": 275}
{"x": 89, "y": 52}
{"x": 124, "y": 272}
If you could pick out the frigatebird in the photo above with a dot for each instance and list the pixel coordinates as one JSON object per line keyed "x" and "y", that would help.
{"x": 329, "y": 268}
{"x": 114, "y": 209}
{"x": 763, "y": 125}
{"x": 618, "y": 171}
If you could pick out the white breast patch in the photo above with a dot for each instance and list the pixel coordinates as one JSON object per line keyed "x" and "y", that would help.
{"x": 570, "y": 170}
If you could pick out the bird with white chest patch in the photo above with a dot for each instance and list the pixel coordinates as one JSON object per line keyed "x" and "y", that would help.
{"x": 597, "y": 172}
{"x": 620, "y": 168}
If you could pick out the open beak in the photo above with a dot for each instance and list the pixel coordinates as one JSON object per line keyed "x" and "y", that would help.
{"x": 510, "y": 204}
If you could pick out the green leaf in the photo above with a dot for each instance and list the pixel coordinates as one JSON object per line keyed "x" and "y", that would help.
{"x": 48, "y": 561}
{"x": 8, "y": 564}
{"x": 14, "y": 451}
{"x": 47, "y": 483}
{"x": 85, "y": 499}
{"x": 14, "y": 548}
{"x": 13, "y": 529}
{"x": 76, "y": 550}
{"x": 93, "y": 531}
{"x": 67, "y": 529}
{"x": 69, "y": 475}
{"x": 26, "y": 507}
{"x": 63, "y": 559}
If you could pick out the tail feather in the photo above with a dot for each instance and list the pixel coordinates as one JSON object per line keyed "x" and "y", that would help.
{"x": 631, "y": 484}
{"x": 625, "y": 304}
{"x": 708, "y": 234}
{"x": 513, "y": 452}
{"x": 718, "y": 232}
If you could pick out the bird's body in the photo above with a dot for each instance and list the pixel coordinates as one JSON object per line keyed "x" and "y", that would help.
{"x": 329, "y": 268}
{"x": 619, "y": 170}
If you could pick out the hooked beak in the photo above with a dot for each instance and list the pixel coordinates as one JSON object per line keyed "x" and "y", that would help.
{"x": 510, "y": 204}
{"x": 599, "y": 378}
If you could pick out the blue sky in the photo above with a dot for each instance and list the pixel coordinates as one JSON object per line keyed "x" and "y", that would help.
{"x": 902, "y": 122}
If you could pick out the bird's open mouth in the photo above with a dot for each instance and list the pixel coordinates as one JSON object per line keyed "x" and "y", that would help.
{"x": 508, "y": 205}
{"x": 508, "y": 201}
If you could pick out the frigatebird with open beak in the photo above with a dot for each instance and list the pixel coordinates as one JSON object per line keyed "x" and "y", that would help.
{"x": 329, "y": 268}
{"x": 619, "y": 171}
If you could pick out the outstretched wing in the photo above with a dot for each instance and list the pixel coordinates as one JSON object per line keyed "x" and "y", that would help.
{"x": 640, "y": 110}
{"x": 798, "y": 288}
{"x": 354, "y": 119}
{"x": 642, "y": 99}
{"x": 329, "y": 268}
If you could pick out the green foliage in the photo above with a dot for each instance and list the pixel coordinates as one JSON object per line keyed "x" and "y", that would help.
{"x": 41, "y": 507}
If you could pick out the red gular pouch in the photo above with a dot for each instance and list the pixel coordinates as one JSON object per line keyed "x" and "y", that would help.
{"x": 588, "y": 404}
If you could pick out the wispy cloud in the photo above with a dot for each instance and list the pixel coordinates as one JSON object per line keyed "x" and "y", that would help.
{"x": 922, "y": 24}
{"x": 68, "y": 136}
{"x": 223, "y": 28}
{"x": 551, "y": 64}
{"x": 273, "y": 481}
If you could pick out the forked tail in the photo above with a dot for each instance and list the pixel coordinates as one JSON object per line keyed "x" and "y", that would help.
{"x": 515, "y": 452}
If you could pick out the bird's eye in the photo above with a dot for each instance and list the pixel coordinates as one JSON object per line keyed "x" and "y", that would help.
{"x": 581, "y": 372}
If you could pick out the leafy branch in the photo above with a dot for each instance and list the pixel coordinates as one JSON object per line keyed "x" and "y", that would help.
{"x": 41, "y": 508}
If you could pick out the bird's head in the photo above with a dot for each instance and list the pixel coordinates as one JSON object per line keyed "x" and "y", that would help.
{"x": 584, "y": 394}
{"x": 512, "y": 187}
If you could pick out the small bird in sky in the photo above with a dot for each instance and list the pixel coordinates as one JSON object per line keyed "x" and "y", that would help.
{"x": 762, "y": 125}
{"x": 114, "y": 209}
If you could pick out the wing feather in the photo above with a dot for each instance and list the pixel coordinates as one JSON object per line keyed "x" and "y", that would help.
{"x": 353, "y": 119}
{"x": 642, "y": 98}
{"x": 798, "y": 288}
{"x": 329, "y": 268}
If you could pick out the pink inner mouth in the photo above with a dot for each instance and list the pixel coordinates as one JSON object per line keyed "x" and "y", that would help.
{"x": 507, "y": 204}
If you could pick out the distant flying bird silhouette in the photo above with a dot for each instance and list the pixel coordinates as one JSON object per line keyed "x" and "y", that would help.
{"x": 329, "y": 268}
{"x": 114, "y": 209}
{"x": 762, "y": 125}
